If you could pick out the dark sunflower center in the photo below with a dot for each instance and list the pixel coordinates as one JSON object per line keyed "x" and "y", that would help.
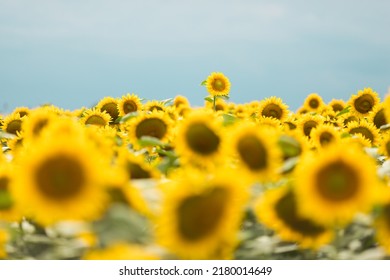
{"x": 364, "y": 103}
{"x": 218, "y": 85}
{"x": 200, "y": 215}
{"x": 112, "y": 109}
{"x": 286, "y": 210}
{"x": 326, "y": 138}
{"x": 130, "y": 106}
{"x": 23, "y": 113}
{"x": 337, "y": 107}
{"x": 314, "y": 103}
{"x": 60, "y": 177}
{"x": 96, "y": 120}
{"x": 136, "y": 171}
{"x": 380, "y": 118}
{"x": 155, "y": 108}
{"x": 14, "y": 126}
{"x": 308, "y": 126}
{"x": 219, "y": 107}
{"x": 291, "y": 125}
{"x": 153, "y": 127}
{"x": 5, "y": 197}
{"x": 39, "y": 126}
{"x": 201, "y": 139}
{"x": 252, "y": 152}
{"x": 337, "y": 181}
{"x": 363, "y": 131}
{"x": 350, "y": 119}
{"x": 273, "y": 111}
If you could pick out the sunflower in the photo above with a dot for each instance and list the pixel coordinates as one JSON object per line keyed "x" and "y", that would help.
{"x": 307, "y": 122}
{"x": 95, "y": 117}
{"x": 110, "y": 106}
{"x": 129, "y": 103}
{"x": 382, "y": 227}
{"x": 324, "y": 134}
{"x": 256, "y": 150}
{"x": 290, "y": 123}
{"x": 201, "y": 214}
{"x": 273, "y": 107}
{"x": 314, "y": 103}
{"x": 37, "y": 120}
{"x": 217, "y": 84}
{"x": 122, "y": 251}
{"x": 154, "y": 105}
{"x": 3, "y": 240}
{"x": 62, "y": 180}
{"x": 302, "y": 110}
{"x": 335, "y": 184}
{"x": 278, "y": 210}
{"x": 337, "y": 105}
{"x": 22, "y": 111}
{"x": 363, "y": 102}
{"x": 12, "y": 123}
{"x": 377, "y": 115}
{"x": 366, "y": 129}
{"x": 155, "y": 124}
{"x": 272, "y": 123}
{"x": 199, "y": 138}
{"x": 180, "y": 101}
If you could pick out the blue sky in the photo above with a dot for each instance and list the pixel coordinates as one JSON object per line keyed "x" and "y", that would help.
{"x": 73, "y": 53}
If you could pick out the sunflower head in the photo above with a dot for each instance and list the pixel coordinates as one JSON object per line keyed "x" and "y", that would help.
{"x": 95, "y": 117}
{"x": 377, "y": 116}
{"x": 366, "y": 129}
{"x": 12, "y": 123}
{"x": 363, "y": 102}
{"x": 155, "y": 105}
{"x": 273, "y": 107}
{"x": 129, "y": 103}
{"x": 307, "y": 122}
{"x": 36, "y": 121}
{"x": 22, "y": 111}
{"x": 110, "y": 106}
{"x": 337, "y": 105}
{"x": 314, "y": 102}
{"x": 180, "y": 101}
{"x": 217, "y": 84}
{"x": 323, "y": 135}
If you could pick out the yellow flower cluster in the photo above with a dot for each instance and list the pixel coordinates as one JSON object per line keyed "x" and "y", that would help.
{"x": 195, "y": 174}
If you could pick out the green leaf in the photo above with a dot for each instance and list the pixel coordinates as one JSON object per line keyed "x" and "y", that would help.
{"x": 228, "y": 119}
{"x": 209, "y": 99}
{"x": 344, "y": 111}
{"x": 289, "y": 165}
{"x": 147, "y": 141}
{"x": 289, "y": 146}
{"x": 224, "y": 97}
{"x": 167, "y": 102}
{"x": 203, "y": 83}
{"x": 126, "y": 117}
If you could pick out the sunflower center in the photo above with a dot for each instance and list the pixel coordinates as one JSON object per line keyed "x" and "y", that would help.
{"x": 136, "y": 171}
{"x": 14, "y": 126}
{"x": 252, "y": 152}
{"x": 380, "y": 118}
{"x": 218, "y": 85}
{"x": 326, "y": 138}
{"x": 291, "y": 125}
{"x": 337, "y": 181}
{"x": 314, "y": 103}
{"x": 153, "y": 127}
{"x": 96, "y": 120}
{"x": 129, "y": 106}
{"x": 5, "y": 197}
{"x": 200, "y": 215}
{"x": 308, "y": 126}
{"x": 155, "y": 108}
{"x": 112, "y": 109}
{"x": 350, "y": 119}
{"x": 337, "y": 107}
{"x": 39, "y": 126}
{"x": 272, "y": 110}
{"x": 364, "y": 103}
{"x": 363, "y": 131}
{"x": 202, "y": 139}
{"x": 60, "y": 177}
{"x": 286, "y": 210}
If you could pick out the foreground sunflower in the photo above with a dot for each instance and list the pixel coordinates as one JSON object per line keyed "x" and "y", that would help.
{"x": 217, "y": 84}
{"x": 278, "y": 210}
{"x": 201, "y": 214}
{"x": 60, "y": 180}
{"x": 335, "y": 184}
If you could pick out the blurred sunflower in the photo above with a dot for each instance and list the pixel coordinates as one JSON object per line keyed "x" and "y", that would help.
{"x": 135, "y": 166}
{"x": 181, "y": 101}
{"x": 337, "y": 105}
{"x": 8, "y": 210}
{"x": 37, "y": 120}
{"x": 217, "y": 84}
{"x": 122, "y": 251}
{"x": 363, "y": 102}
{"x": 129, "y": 103}
{"x": 314, "y": 103}
{"x": 273, "y": 107}
{"x": 201, "y": 213}
{"x": 324, "y": 134}
{"x": 95, "y": 117}
{"x": 154, "y": 105}
{"x": 199, "y": 138}
{"x": 348, "y": 117}
{"x": 366, "y": 129}
{"x": 3, "y": 240}
{"x": 382, "y": 227}
{"x": 335, "y": 184}
{"x": 377, "y": 116}
{"x": 307, "y": 122}
{"x": 62, "y": 180}
{"x": 110, "y": 106}
{"x": 278, "y": 210}
{"x": 22, "y": 111}
{"x": 12, "y": 123}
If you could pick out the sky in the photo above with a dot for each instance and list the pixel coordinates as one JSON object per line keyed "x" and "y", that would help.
{"x": 74, "y": 53}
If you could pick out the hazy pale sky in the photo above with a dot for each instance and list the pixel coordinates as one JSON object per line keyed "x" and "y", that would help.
{"x": 73, "y": 53}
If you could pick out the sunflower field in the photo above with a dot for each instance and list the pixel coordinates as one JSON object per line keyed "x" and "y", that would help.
{"x": 148, "y": 179}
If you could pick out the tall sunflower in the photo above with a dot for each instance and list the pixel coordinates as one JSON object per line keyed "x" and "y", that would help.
{"x": 278, "y": 210}
{"x": 335, "y": 184}
{"x": 201, "y": 214}
{"x": 60, "y": 180}
{"x": 363, "y": 102}
{"x": 273, "y": 107}
{"x": 217, "y": 84}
